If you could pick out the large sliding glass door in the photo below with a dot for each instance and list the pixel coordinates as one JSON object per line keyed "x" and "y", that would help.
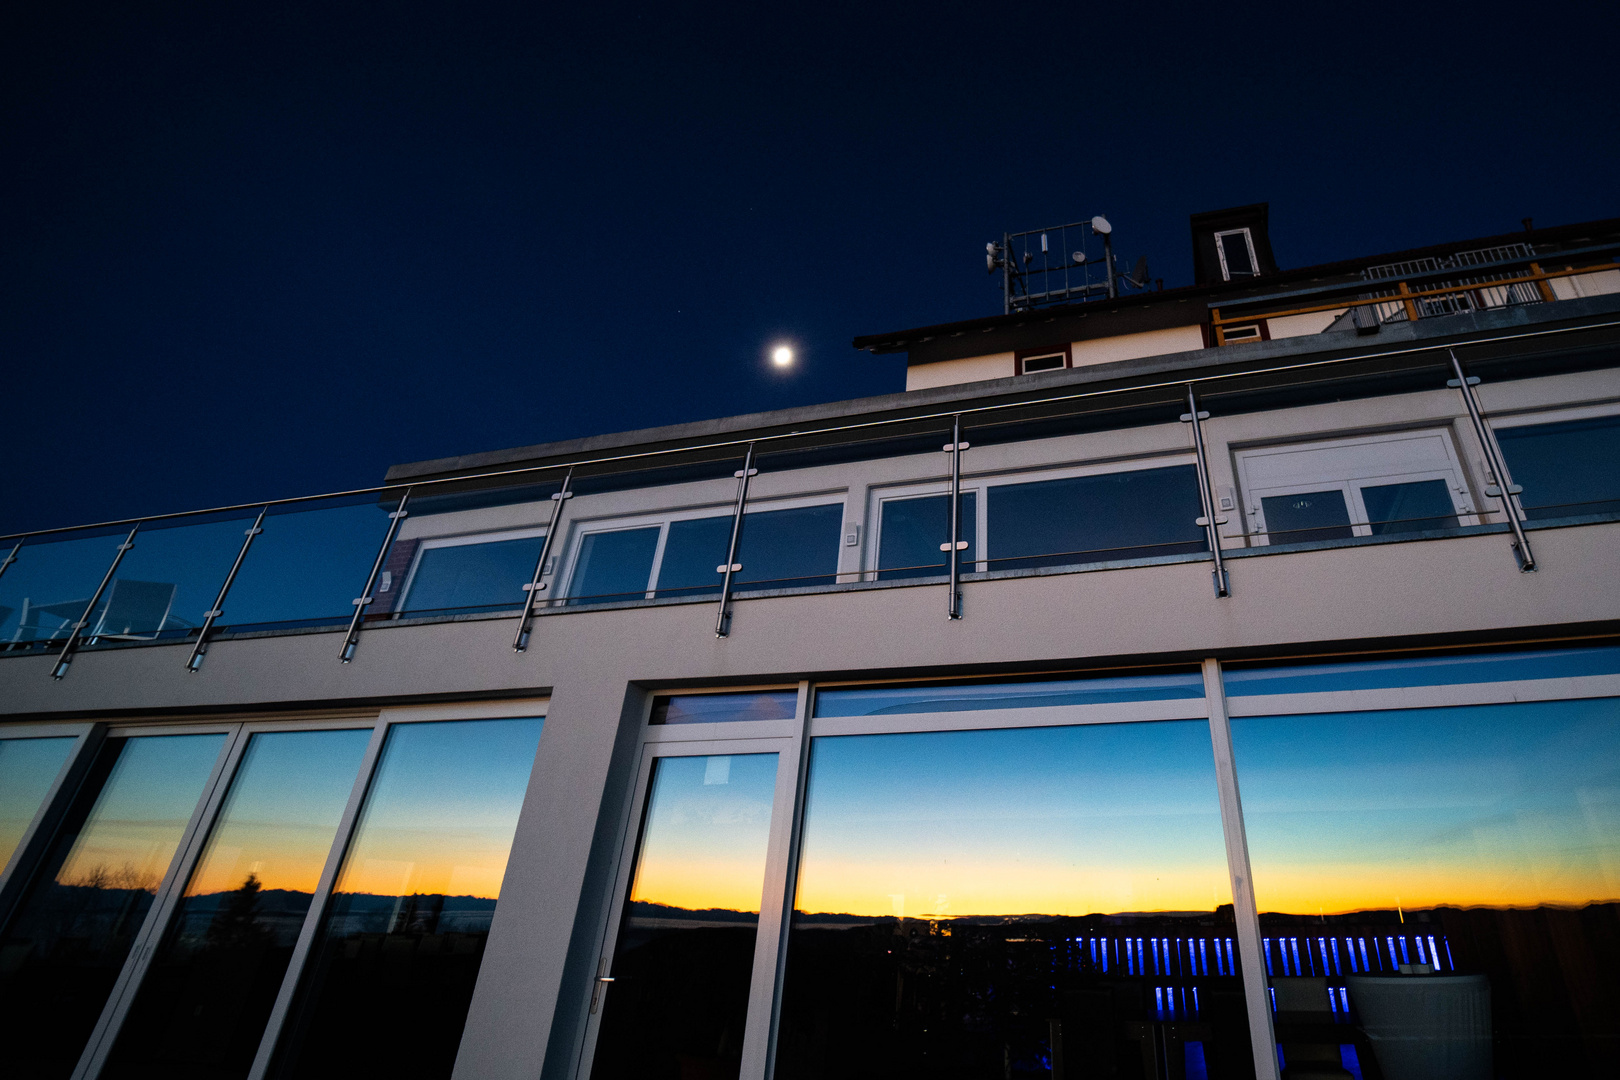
{"x": 215, "y": 900}
{"x": 1436, "y": 845}
{"x": 690, "y": 953}
{"x": 1383, "y": 868}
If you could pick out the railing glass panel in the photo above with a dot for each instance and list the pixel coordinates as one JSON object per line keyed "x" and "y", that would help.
{"x": 310, "y": 564}
{"x": 46, "y": 590}
{"x": 166, "y": 584}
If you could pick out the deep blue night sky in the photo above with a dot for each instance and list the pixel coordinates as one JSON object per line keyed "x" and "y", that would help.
{"x": 259, "y": 249}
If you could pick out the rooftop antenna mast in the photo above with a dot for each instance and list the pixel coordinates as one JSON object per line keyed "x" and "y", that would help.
{"x": 1052, "y": 266}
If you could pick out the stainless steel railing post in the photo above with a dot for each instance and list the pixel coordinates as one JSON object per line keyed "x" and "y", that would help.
{"x": 65, "y": 657}
{"x": 722, "y": 624}
{"x": 1502, "y": 486}
{"x": 954, "y": 547}
{"x": 201, "y": 648}
{"x": 364, "y": 600}
{"x": 1210, "y": 522}
{"x": 532, "y": 590}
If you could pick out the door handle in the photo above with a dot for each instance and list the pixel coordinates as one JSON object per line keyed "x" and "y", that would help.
{"x": 596, "y": 991}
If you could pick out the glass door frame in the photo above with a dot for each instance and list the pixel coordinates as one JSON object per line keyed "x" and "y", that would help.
{"x": 784, "y": 738}
{"x": 199, "y": 825}
{"x": 791, "y": 739}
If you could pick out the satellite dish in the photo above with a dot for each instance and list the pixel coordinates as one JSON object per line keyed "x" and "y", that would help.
{"x": 1139, "y": 273}
{"x": 1100, "y": 226}
{"x": 1079, "y": 256}
{"x": 992, "y": 260}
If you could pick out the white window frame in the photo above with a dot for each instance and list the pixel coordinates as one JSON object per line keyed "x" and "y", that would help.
{"x": 980, "y": 484}
{"x": 463, "y": 540}
{"x": 1061, "y": 355}
{"x": 1349, "y": 482}
{"x": 579, "y": 529}
{"x": 1248, "y": 241}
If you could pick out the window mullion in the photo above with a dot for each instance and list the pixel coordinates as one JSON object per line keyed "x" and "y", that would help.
{"x": 1255, "y": 987}
{"x": 782, "y": 873}
{"x": 317, "y": 906}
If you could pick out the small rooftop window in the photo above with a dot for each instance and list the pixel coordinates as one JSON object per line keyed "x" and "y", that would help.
{"x": 1236, "y": 249}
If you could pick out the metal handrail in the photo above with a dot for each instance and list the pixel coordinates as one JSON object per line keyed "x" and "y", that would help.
{"x": 1402, "y": 294}
{"x": 1178, "y": 383}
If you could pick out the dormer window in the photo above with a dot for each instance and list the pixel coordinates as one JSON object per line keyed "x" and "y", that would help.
{"x": 1236, "y": 249}
{"x": 1032, "y": 360}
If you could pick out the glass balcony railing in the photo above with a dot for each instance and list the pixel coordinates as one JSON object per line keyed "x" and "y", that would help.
{"x": 1117, "y": 475}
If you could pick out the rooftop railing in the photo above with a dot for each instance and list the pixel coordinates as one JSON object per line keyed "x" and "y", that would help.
{"x": 347, "y": 560}
{"x": 1482, "y": 280}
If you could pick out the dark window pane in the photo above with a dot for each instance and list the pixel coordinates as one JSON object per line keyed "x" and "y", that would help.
{"x": 785, "y": 549}
{"x": 963, "y": 894}
{"x": 887, "y": 700}
{"x": 202, "y": 1007}
{"x": 1565, "y": 469}
{"x": 1414, "y": 507}
{"x": 1310, "y": 515}
{"x": 466, "y": 576}
{"x": 679, "y": 1000}
{"x": 1127, "y": 515}
{"x": 721, "y": 708}
{"x": 1042, "y": 363}
{"x": 1238, "y": 263}
{"x": 70, "y": 936}
{"x": 913, "y": 529}
{"x": 28, "y": 767}
{"x": 1481, "y": 843}
{"x": 614, "y": 566}
{"x": 391, "y": 974}
{"x": 691, "y": 553}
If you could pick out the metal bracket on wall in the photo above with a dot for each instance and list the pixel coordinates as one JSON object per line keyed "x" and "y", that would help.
{"x": 1210, "y": 522}
{"x": 1501, "y": 486}
{"x": 201, "y": 648}
{"x": 532, "y": 591}
{"x": 722, "y": 623}
{"x": 953, "y": 606}
{"x": 65, "y": 657}
{"x": 368, "y": 595}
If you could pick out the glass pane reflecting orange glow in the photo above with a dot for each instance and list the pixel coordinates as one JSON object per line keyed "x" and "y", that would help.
{"x": 70, "y": 936}
{"x": 970, "y": 903}
{"x": 28, "y": 767}
{"x": 1482, "y": 840}
{"x": 203, "y": 1004}
{"x": 679, "y": 1000}
{"x": 403, "y": 935}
